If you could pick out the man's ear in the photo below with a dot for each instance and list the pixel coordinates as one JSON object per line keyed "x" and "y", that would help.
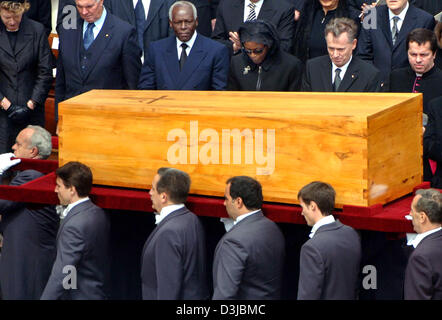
{"x": 239, "y": 203}
{"x": 34, "y": 152}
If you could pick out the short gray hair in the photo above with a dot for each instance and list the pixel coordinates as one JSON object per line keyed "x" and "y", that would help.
{"x": 430, "y": 202}
{"x": 42, "y": 140}
{"x": 338, "y": 26}
{"x": 181, "y": 4}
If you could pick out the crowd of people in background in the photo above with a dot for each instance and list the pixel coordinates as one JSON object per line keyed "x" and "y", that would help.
{"x": 252, "y": 45}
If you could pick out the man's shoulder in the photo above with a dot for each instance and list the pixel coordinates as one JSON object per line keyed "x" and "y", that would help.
{"x": 123, "y": 26}
{"x": 423, "y": 15}
{"x": 318, "y": 62}
{"x": 366, "y": 67}
{"x": 210, "y": 43}
{"x": 25, "y": 176}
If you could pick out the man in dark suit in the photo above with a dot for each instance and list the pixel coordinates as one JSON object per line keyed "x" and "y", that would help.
{"x": 173, "y": 262}
{"x": 340, "y": 71}
{"x": 29, "y": 231}
{"x": 423, "y": 276}
{"x": 384, "y": 43}
{"x": 81, "y": 270}
{"x": 330, "y": 260}
{"x": 187, "y": 61}
{"x": 421, "y": 75}
{"x": 100, "y": 53}
{"x": 249, "y": 258}
{"x": 433, "y": 144}
{"x": 40, "y": 11}
{"x": 232, "y": 13}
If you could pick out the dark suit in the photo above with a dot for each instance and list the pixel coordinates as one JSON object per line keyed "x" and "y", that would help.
{"x": 114, "y": 59}
{"x": 330, "y": 264}
{"x": 28, "y": 251}
{"x": 156, "y": 26}
{"x": 423, "y": 276}
{"x": 25, "y": 73}
{"x": 40, "y": 11}
{"x": 83, "y": 241}
{"x": 359, "y": 77}
{"x": 173, "y": 262}
{"x": 248, "y": 262}
{"x": 230, "y": 16}
{"x": 376, "y": 44}
{"x": 433, "y": 143}
{"x": 206, "y": 67}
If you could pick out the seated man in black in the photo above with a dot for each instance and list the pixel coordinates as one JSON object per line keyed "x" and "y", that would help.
{"x": 421, "y": 75}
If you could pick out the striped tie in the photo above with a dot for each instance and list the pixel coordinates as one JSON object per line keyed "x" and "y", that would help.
{"x": 252, "y": 13}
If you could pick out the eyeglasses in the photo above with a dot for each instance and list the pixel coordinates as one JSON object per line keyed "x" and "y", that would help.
{"x": 255, "y": 51}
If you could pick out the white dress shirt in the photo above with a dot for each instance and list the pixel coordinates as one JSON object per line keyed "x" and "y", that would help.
{"x": 243, "y": 216}
{"x": 343, "y": 70}
{"x": 415, "y": 242}
{"x": 70, "y": 206}
{"x": 189, "y": 45}
{"x": 326, "y": 220}
{"x": 401, "y": 17}
{"x": 166, "y": 211}
{"x": 247, "y": 9}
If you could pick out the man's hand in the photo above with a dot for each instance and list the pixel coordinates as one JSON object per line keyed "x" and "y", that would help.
{"x": 5, "y": 103}
{"x": 31, "y": 104}
{"x": 6, "y": 162}
{"x": 213, "y": 22}
{"x": 234, "y": 37}
{"x": 296, "y": 15}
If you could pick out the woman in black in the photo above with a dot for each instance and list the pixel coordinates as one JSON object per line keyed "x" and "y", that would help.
{"x": 309, "y": 40}
{"x": 25, "y": 71}
{"x": 262, "y": 65}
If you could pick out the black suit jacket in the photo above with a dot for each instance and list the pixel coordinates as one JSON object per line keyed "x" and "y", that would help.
{"x": 173, "y": 262}
{"x": 433, "y": 143}
{"x": 376, "y": 44}
{"x": 28, "y": 251}
{"x": 25, "y": 73}
{"x": 330, "y": 264}
{"x": 83, "y": 242}
{"x": 114, "y": 59}
{"x": 230, "y": 16}
{"x": 359, "y": 77}
{"x": 423, "y": 276}
{"x": 40, "y": 11}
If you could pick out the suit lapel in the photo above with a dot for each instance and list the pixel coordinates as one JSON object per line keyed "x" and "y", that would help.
{"x": 237, "y": 14}
{"x": 23, "y": 38}
{"x": 407, "y": 26}
{"x": 100, "y": 43}
{"x": 266, "y": 12}
{"x": 73, "y": 212}
{"x": 350, "y": 76}
{"x": 326, "y": 66}
{"x": 154, "y": 7}
{"x": 196, "y": 56}
{"x": 384, "y": 24}
{"x": 4, "y": 42}
{"x": 171, "y": 60}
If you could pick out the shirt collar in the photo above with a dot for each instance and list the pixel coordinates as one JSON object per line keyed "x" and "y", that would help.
{"x": 166, "y": 211}
{"x": 326, "y": 220}
{"x": 415, "y": 242}
{"x": 99, "y": 23}
{"x": 71, "y": 205}
{"x": 189, "y": 43}
{"x": 243, "y": 216}
{"x": 400, "y": 15}
{"x": 343, "y": 68}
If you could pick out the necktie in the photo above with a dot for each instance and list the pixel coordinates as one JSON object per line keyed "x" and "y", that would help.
{"x": 394, "y": 30}
{"x": 183, "y": 56}
{"x": 252, "y": 13}
{"x": 89, "y": 35}
{"x": 140, "y": 18}
{"x": 338, "y": 80}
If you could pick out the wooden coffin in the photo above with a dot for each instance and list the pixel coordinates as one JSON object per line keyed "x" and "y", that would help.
{"x": 367, "y": 146}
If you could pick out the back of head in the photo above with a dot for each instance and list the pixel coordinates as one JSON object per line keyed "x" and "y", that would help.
{"x": 321, "y": 193}
{"x": 338, "y": 26}
{"x": 421, "y": 36}
{"x": 262, "y": 32}
{"x": 248, "y": 189}
{"x": 430, "y": 203}
{"x": 42, "y": 140}
{"x": 78, "y": 175}
{"x": 438, "y": 33}
{"x": 175, "y": 183}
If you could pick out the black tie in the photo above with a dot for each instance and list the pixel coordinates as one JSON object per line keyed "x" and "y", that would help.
{"x": 183, "y": 56}
{"x": 338, "y": 80}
